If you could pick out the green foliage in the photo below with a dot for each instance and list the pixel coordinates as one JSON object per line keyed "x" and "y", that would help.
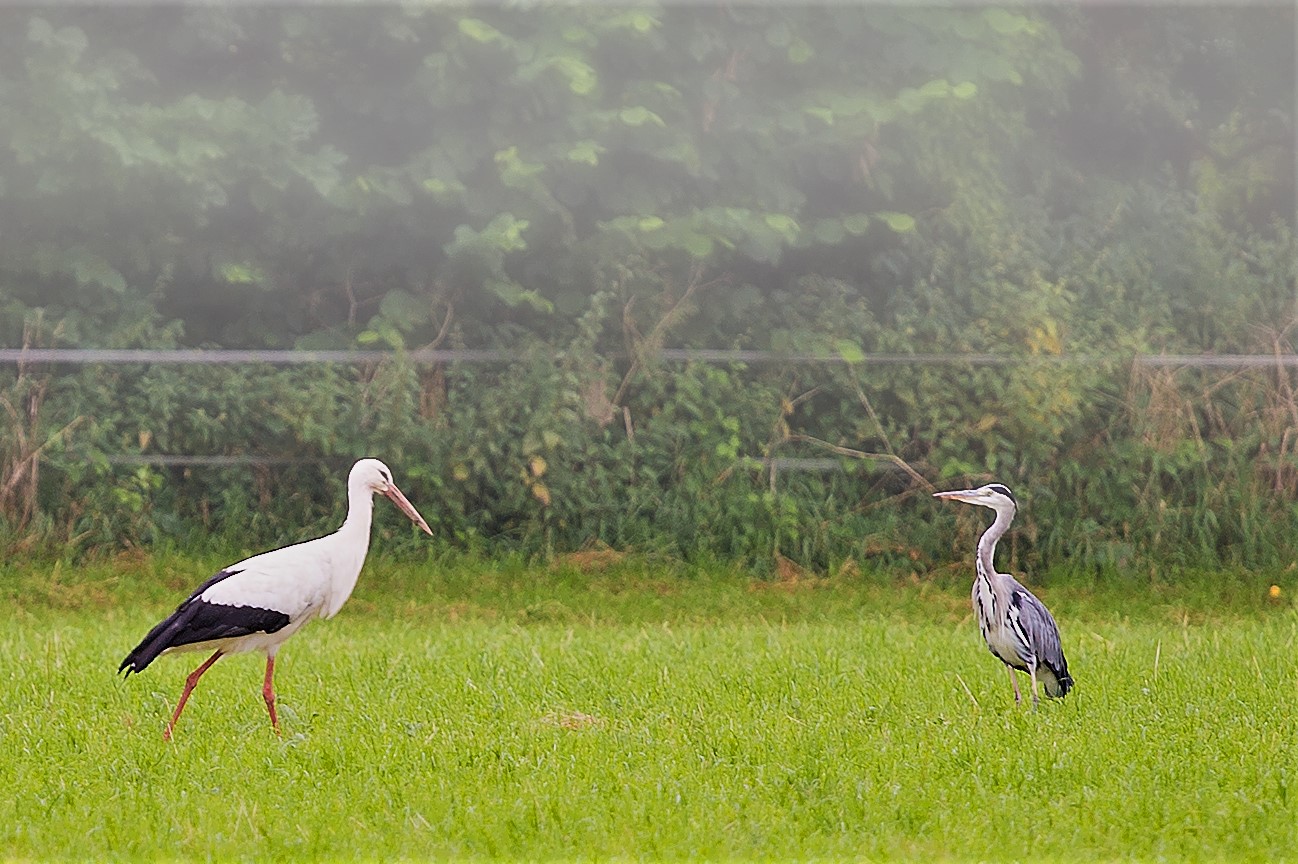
{"x": 706, "y": 140}
{"x": 583, "y": 186}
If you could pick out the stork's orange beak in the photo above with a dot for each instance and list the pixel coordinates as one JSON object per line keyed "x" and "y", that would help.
{"x": 404, "y": 505}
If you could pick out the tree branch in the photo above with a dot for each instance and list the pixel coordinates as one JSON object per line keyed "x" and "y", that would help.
{"x": 861, "y": 454}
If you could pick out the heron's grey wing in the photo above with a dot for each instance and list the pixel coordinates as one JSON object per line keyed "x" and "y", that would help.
{"x": 1040, "y": 630}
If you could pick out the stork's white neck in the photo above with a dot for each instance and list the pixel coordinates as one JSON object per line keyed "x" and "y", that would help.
{"x": 360, "y": 511}
{"x": 350, "y": 544}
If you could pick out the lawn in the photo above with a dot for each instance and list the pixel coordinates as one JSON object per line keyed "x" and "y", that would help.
{"x": 472, "y": 710}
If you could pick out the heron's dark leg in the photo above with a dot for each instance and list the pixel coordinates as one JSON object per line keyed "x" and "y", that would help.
{"x": 1014, "y": 680}
{"x": 190, "y": 683}
{"x": 268, "y": 692}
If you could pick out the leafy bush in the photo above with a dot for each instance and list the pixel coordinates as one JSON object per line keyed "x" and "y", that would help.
{"x": 580, "y": 188}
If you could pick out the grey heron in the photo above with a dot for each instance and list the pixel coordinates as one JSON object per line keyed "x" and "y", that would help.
{"x": 1017, "y": 627}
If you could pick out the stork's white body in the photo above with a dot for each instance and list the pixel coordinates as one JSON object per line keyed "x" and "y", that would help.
{"x": 303, "y": 581}
{"x": 259, "y": 602}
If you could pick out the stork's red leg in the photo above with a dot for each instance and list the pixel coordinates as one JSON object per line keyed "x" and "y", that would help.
{"x": 268, "y": 692}
{"x": 190, "y": 683}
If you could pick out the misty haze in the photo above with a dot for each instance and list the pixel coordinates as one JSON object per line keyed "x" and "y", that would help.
{"x": 667, "y": 322}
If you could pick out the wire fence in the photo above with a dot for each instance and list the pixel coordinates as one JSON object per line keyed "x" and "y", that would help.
{"x": 280, "y": 357}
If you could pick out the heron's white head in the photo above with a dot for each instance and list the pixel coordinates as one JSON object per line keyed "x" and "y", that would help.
{"x": 372, "y": 476}
{"x": 997, "y": 496}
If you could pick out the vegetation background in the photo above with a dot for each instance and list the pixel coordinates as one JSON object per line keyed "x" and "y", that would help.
{"x": 965, "y": 241}
{"x": 1067, "y": 188}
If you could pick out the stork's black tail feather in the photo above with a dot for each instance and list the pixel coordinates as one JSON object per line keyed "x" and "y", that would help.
{"x": 197, "y": 621}
{"x": 193, "y": 621}
{"x": 157, "y": 640}
{"x": 153, "y": 644}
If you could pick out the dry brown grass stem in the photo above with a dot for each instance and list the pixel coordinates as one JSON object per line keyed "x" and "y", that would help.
{"x": 432, "y": 379}
{"x": 642, "y": 347}
{"x": 20, "y": 455}
{"x": 1169, "y": 407}
{"x": 861, "y": 454}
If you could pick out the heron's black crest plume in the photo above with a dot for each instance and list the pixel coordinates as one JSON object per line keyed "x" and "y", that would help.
{"x": 1004, "y": 490}
{"x": 1017, "y": 627}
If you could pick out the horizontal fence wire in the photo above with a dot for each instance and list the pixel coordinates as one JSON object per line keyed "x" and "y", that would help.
{"x": 199, "y": 357}
{"x": 159, "y": 460}
{"x": 168, "y": 461}
{"x": 278, "y": 357}
{"x": 285, "y": 357}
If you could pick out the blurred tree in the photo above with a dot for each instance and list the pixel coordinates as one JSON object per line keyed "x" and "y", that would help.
{"x": 585, "y": 184}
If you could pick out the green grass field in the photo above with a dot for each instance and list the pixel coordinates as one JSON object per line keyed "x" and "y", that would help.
{"x": 502, "y": 711}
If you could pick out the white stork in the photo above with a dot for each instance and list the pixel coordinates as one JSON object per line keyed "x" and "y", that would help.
{"x": 256, "y": 604}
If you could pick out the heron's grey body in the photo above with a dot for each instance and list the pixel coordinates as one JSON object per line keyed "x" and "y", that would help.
{"x": 1017, "y": 627}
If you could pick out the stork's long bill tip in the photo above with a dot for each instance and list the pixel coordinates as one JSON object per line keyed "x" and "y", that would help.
{"x": 404, "y": 505}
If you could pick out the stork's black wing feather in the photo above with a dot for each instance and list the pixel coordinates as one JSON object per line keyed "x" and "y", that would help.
{"x": 197, "y": 621}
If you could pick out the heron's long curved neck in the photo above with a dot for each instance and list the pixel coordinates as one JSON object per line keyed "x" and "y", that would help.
{"x": 987, "y": 543}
